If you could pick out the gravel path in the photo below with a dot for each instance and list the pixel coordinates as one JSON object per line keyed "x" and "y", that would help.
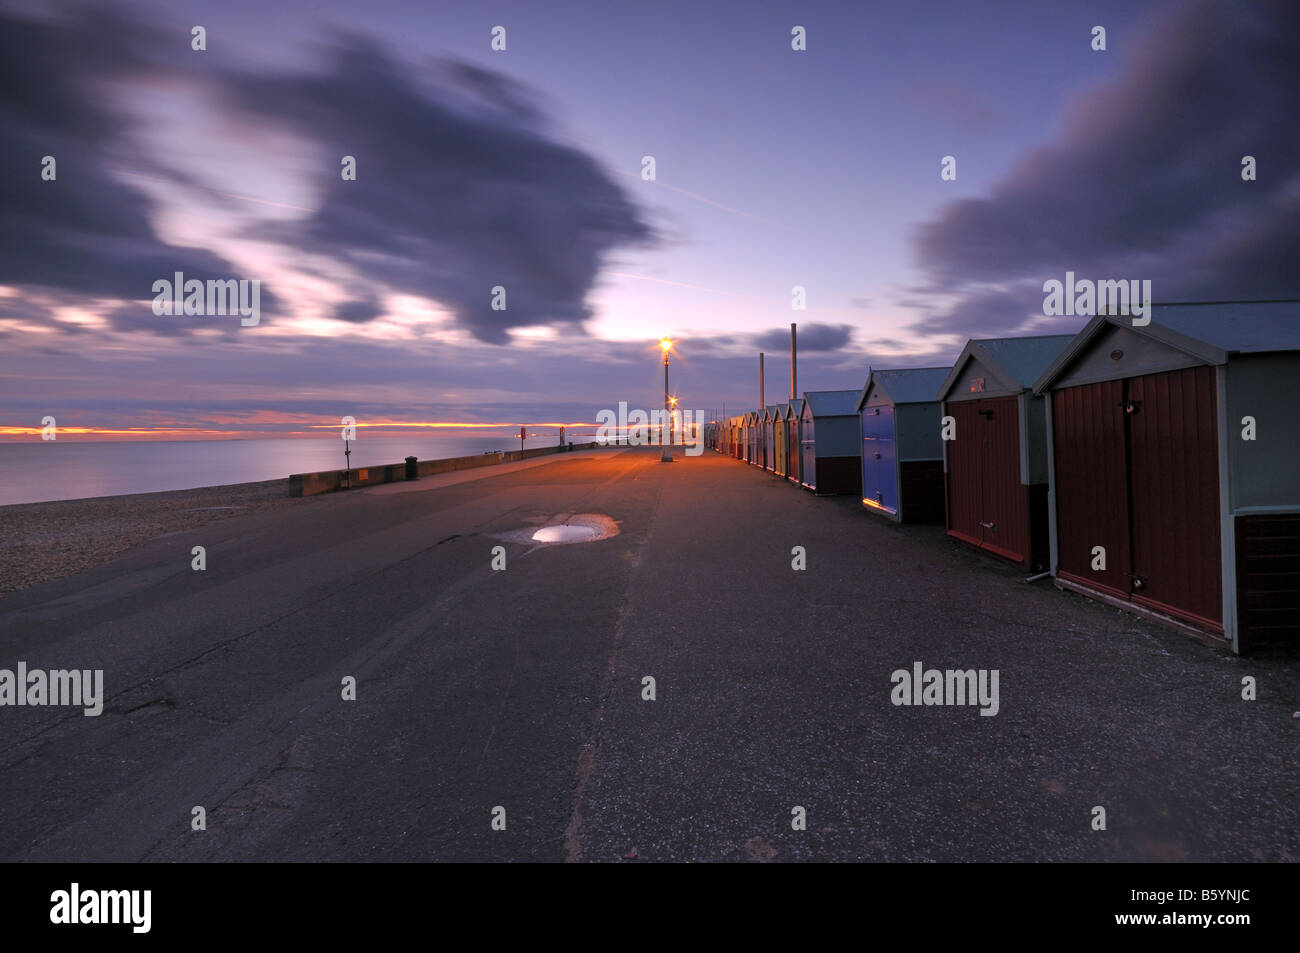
{"x": 44, "y": 541}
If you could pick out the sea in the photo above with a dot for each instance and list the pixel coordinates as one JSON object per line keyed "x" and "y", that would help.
{"x": 68, "y": 469}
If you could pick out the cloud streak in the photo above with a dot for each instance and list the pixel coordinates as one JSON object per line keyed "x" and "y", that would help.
{"x": 460, "y": 188}
{"x": 1145, "y": 181}
{"x": 449, "y": 202}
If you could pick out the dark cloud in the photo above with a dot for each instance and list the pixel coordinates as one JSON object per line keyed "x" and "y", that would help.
{"x": 460, "y": 189}
{"x": 392, "y": 381}
{"x": 1145, "y": 181}
{"x": 448, "y": 203}
{"x": 358, "y": 310}
{"x": 493, "y": 89}
{"x": 811, "y": 337}
{"x": 1006, "y": 311}
{"x": 83, "y": 232}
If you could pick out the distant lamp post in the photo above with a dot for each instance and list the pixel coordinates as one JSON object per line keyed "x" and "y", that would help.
{"x": 667, "y": 345}
{"x": 666, "y": 456}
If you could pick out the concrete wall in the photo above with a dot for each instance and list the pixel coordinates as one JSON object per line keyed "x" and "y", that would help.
{"x": 328, "y": 481}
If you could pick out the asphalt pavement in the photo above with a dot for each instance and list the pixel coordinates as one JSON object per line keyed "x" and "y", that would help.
{"x": 515, "y": 698}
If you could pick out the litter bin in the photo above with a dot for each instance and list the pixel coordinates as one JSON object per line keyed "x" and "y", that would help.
{"x": 412, "y": 469}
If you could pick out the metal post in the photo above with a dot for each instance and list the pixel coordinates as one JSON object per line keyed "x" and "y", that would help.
{"x": 666, "y": 411}
{"x": 794, "y": 363}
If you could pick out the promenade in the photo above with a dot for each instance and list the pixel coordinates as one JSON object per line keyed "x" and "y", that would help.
{"x": 522, "y": 688}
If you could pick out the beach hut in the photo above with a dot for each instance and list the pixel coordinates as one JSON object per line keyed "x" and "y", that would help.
{"x": 995, "y": 447}
{"x": 794, "y": 421}
{"x": 737, "y": 438}
{"x": 830, "y": 454}
{"x": 1175, "y": 467}
{"x": 781, "y": 440}
{"x": 902, "y": 451}
{"x": 753, "y": 423}
{"x": 769, "y": 436}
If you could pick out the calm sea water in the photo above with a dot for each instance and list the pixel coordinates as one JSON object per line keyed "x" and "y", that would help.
{"x": 37, "y": 471}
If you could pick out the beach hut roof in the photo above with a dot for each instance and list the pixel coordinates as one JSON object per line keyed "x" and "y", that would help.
{"x": 1208, "y": 332}
{"x": 1016, "y": 363}
{"x": 832, "y": 403}
{"x": 796, "y": 406}
{"x": 910, "y": 385}
{"x": 769, "y": 412}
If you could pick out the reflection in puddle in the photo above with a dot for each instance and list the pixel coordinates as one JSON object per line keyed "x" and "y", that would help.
{"x": 569, "y": 528}
{"x": 566, "y": 533}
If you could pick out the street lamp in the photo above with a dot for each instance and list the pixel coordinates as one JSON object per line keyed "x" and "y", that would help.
{"x": 667, "y": 345}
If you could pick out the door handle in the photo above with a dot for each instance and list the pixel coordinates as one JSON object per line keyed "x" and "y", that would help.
{"x": 989, "y": 525}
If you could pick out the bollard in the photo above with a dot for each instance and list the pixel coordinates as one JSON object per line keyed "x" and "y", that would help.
{"x": 412, "y": 468}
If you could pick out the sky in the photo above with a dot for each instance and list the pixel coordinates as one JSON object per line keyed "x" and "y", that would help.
{"x": 523, "y": 169}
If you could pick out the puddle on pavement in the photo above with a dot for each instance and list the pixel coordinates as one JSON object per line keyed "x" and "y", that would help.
{"x": 567, "y": 528}
{"x": 566, "y": 533}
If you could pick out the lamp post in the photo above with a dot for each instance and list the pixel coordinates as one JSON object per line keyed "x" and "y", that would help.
{"x": 667, "y": 346}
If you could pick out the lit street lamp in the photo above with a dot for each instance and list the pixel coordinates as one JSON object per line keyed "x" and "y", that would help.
{"x": 667, "y": 346}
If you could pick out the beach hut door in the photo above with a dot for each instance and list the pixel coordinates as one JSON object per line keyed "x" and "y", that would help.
{"x": 879, "y": 458}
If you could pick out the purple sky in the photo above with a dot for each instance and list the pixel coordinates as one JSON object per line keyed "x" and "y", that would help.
{"x": 521, "y": 168}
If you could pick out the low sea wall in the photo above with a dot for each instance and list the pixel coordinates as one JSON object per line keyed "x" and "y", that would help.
{"x": 328, "y": 481}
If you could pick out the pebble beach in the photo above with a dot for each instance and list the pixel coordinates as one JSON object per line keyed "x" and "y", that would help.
{"x": 44, "y": 541}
